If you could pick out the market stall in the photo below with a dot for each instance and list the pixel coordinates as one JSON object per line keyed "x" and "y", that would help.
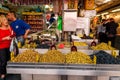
{"x": 36, "y": 62}
{"x": 62, "y": 71}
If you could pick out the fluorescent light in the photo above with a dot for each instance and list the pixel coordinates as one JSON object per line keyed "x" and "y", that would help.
{"x": 98, "y": 15}
{"x": 104, "y": 13}
{"x": 115, "y": 10}
{"x": 106, "y": 1}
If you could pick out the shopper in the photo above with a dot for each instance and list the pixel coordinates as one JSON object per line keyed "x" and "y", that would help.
{"x": 59, "y": 27}
{"x": 111, "y": 28}
{"x": 52, "y": 18}
{"x": 117, "y": 39}
{"x": 6, "y": 34}
{"x": 20, "y": 27}
{"x": 101, "y": 29}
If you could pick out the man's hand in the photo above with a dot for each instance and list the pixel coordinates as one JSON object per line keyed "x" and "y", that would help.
{"x": 26, "y": 33}
{"x": 25, "y": 36}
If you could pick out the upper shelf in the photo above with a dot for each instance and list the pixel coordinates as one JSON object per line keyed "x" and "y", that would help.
{"x": 32, "y": 13}
{"x": 3, "y": 11}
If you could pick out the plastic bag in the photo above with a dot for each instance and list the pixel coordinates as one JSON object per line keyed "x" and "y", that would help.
{"x": 14, "y": 47}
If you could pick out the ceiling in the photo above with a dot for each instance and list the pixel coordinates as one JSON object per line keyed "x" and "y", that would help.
{"x": 100, "y": 2}
{"x": 29, "y": 2}
{"x": 102, "y": 5}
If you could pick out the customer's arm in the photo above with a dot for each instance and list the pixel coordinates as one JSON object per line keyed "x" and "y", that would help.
{"x": 26, "y": 33}
{"x": 26, "y": 27}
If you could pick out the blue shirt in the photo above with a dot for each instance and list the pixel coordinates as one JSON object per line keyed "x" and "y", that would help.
{"x": 19, "y": 27}
{"x": 51, "y": 20}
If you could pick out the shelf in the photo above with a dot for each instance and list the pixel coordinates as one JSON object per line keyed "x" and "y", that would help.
{"x": 35, "y": 23}
{"x": 31, "y": 13}
{"x": 37, "y": 27}
{"x": 36, "y": 20}
{"x": 3, "y": 11}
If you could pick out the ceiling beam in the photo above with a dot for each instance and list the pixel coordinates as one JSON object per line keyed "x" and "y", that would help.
{"x": 108, "y": 5}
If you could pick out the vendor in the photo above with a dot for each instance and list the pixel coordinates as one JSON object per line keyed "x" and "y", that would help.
{"x": 44, "y": 45}
{"x": 73, "y": 49}
{"x": 93, "y": 43}
{"x": 53, "y": 47}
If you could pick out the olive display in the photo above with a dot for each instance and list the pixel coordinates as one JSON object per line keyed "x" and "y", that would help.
{"x": 103, "y": 46}
{"x": 118, "y": 59}
{"x": 27, "y": 56}
{"x": 105, "y": 58}
{"x": 78, "y": 58}
{"x": 53, "y": 56}
{"x": 80, "y": 44}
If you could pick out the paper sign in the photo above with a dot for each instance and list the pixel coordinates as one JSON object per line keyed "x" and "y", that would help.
{"x": 70, "y": 21}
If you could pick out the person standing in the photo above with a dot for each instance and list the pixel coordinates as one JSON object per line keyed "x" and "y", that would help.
{"x": 20, "y": 27}
{"x": 52, "y": 18}
{"x": 101, "y": 29}
{"x": 111, "y": 30}
{"x": 117, "y": 39}
{"x": 6, "y": 34}
{"x": 59, "y": 27}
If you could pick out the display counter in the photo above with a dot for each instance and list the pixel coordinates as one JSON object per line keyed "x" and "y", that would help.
{"x": 40, "y": 71}
{"x": 64, "y": 69}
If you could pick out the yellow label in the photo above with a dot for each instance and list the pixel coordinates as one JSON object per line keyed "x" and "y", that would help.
{"x": 19, "y": 44}
{"x": 95, "y": 59}
{"x": 114, "y": 53}
{"x": 91, "y": 35}
{"x": 11, "y": 55}
{"x": 109, "y": 43}
{"x": 37, "y": 58}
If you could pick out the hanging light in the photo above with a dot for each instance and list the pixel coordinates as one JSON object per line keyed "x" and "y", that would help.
{"x": 51, "y": 9}
{"x": 47, "y": 6}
